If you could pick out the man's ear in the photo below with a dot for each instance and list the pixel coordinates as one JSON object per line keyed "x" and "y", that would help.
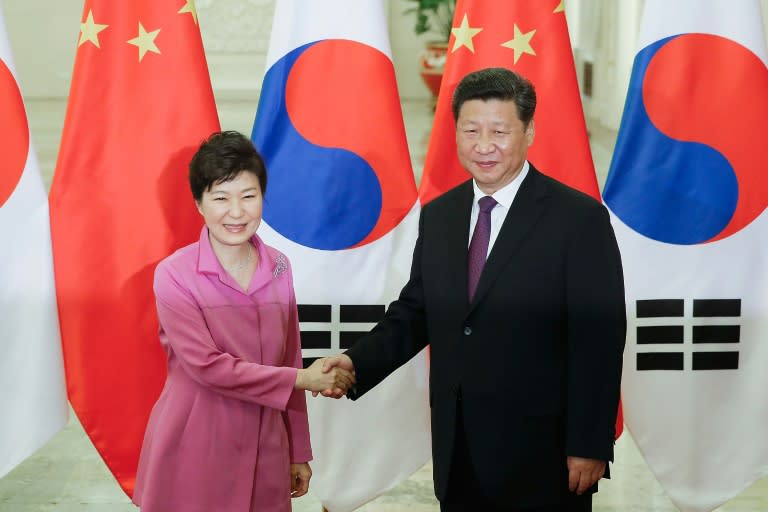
{"x": 530, "y": 132}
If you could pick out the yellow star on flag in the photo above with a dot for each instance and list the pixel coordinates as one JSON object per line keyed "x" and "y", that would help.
{"x": 560, "y": 7}
{"x": 190, "y": 8}
{"x": 145, "y": 41}
{"x": 521, "y": 43}
{"x": 89, "y": 31}
{"x": 464, "y": 34}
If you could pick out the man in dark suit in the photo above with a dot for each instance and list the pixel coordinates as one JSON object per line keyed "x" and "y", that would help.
{"x": 517, "y": 285}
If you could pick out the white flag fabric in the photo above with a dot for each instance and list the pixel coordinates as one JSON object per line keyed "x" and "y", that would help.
{"x": 33, "y": 400}
{"x": 688, "y": 190}
{"x": 341, "y": 203}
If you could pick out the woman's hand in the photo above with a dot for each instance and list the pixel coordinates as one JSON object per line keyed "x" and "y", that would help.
{"x": 314, "y": 379}
{"x": 300, "y": 475}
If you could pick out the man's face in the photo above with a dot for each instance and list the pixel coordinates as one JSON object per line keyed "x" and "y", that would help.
{"x": 492, "y": 142}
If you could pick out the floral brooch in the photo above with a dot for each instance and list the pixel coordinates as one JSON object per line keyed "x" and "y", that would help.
{"x": 281, "y": 265}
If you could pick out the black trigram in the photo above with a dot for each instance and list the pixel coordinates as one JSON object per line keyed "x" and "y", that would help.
{"x": 329, "y": 329}
{"x": 671, "y": 334}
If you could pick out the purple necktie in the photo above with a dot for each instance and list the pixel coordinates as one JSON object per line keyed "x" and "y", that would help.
{"x": 478, "y": 247}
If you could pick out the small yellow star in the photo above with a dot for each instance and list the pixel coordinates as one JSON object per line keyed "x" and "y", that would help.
{"x": 521, "y": 43}
{"x": 145, "y": 41}
{"x": 89, "y": 31}
{"x": 190, "y": 8}
{"x": 560, "y": 7}
{"x": 464, "y": 34}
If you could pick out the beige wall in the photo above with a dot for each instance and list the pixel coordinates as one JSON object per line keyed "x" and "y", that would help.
{"x": 43, "y": 36}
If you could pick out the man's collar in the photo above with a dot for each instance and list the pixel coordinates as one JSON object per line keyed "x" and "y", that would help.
{"x": 506, "y": 194}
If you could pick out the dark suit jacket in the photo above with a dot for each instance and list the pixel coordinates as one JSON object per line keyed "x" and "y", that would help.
{"x": 536, "y": 356}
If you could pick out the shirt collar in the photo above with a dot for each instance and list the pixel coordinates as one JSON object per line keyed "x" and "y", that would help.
{"x": 208, "y": 263}
{"x": 506, "y": 194}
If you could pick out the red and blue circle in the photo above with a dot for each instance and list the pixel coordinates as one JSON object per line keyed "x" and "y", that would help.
{"x": 330, "y": 128}
{"x": 690, "y": 161}
{"x": 14, "y": 134}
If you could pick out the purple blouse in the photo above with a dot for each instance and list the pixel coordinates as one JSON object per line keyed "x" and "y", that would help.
{"x": 228, "y": 422}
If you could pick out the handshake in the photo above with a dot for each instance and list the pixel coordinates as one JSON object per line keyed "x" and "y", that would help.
{"x": 329, "y": 376}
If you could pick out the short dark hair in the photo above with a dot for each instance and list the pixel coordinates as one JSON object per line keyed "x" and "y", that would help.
{"x": 221, "y": 157}
{"x": 496, "y": 84}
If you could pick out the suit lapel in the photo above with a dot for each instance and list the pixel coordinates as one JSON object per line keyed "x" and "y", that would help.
{"x": 456, "y": 240}
{"x": 525, "y": 211}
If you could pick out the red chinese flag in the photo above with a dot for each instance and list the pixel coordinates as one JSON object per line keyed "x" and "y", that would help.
{"x": 140, "y": 104}
{"x": 530, "y": 38}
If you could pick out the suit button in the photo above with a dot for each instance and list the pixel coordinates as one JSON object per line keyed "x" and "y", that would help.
{"x": 467, "y": 330}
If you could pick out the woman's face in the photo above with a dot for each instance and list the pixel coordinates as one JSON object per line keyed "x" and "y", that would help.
{"x": 232, "y": 210}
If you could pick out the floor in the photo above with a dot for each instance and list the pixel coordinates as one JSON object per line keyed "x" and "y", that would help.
{"x": 67, "y": 474}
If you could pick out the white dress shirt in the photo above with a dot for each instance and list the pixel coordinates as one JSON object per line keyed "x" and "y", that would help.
{"x": 504, "y": 197}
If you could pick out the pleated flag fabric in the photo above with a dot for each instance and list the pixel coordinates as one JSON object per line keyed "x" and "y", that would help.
{"x": 688, "y": 190}
{"x": 139, "y": 106}
{"x": 33, "y": 401}
{"x": 341, "y": 203}
{"x": 530, "y": 38}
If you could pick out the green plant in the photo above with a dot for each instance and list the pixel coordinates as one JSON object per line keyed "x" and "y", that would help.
{"x": 433, "y": 16}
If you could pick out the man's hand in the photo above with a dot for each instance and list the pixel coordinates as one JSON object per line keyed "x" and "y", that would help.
{"x": 341, "y": 362}
{"x": 583, "y": 473}
{"x": 300, "y": 475}
{"x": 318, "y": 378}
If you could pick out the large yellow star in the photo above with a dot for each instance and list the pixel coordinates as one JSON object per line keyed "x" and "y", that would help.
{"x": 190, "y": 8}
{"x": 521, "y": 43}
{"x": 89, "y": 31}
{"x": 560, "y": 7}
{"x": 145, "y": 41}
{"x": 464, "y": 34}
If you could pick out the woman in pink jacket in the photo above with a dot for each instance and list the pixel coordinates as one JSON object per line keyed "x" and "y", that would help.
{"x": 229, "y": 432}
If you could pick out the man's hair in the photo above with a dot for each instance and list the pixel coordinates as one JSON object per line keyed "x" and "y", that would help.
{"x": 496, "y": 84}
{"x": 220, "y": 158}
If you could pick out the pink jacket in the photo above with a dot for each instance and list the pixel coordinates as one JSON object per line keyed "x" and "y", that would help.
{"x": 228, "y": 422}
